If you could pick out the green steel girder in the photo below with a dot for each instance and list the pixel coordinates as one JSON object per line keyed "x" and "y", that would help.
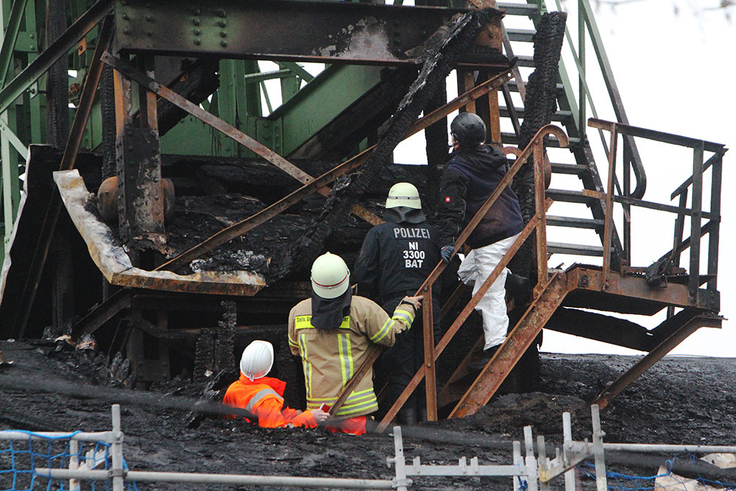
{"x": 66, "y": 42}
{"x": 10, "y": 37}
{"x": 316, "y": 105}
{"x": 280, "y": 30}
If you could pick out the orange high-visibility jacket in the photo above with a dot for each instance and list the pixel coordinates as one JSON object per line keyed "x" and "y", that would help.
{"x": 263, "y": 397}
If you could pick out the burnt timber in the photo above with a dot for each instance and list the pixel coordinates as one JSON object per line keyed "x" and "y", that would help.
{"x": 178, "y": 91}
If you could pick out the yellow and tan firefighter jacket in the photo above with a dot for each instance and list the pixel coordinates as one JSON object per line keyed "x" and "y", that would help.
{"x": 331, "y": 357}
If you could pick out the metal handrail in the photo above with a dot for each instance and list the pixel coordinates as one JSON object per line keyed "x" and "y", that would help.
{"x": 695, "y": 212}
{"x": 538, "y": 225}
{"x": 586, "y": 21}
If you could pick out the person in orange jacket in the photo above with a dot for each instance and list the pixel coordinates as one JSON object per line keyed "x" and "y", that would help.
{"x": 263, "y": 396}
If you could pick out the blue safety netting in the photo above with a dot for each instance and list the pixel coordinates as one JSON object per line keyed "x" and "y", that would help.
{"x": 19, "y": 459}
{"x": 625, "y": 482}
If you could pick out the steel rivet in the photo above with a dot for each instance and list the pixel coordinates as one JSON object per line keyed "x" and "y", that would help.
{"x": 149, "y": 18}
{"x": 223, "y": 34}
{"x": 197, "y": 32}
{"x": 195, "y": 22}
{"x": 223, "y": 43}
{"x": 126, "y": 30}
{"x": 197, "y": 42}
{"x": 126, "y": 16}
{"x": 221, "y": 23}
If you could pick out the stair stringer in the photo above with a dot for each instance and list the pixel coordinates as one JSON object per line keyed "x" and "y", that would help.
{"x": 511, "y": 351}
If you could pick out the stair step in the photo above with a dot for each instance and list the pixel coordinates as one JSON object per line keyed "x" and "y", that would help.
{"x": 578, "y": 250}
{"x": 561, "y": 116}
{"x": 588, "y": 223}
{"x": 567, "y": 196}
{"x": 512, "y": 139}
{"x": 521, "y": 35}
{"x": 518, "y": 8}
{"x": 511, "y": 84}
{"x": 525, "y": 61}
{"x": 569, "y": 169}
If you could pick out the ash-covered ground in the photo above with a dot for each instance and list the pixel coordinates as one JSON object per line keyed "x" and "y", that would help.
{"x": 679, "y": 401}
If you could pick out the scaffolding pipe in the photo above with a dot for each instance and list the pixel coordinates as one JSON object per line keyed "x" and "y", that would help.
{"x": 234, "y": 479}
{"x": 104, "y": 436}
{"x": 654, "y": 448}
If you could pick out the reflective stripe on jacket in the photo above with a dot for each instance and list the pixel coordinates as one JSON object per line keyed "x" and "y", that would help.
{"x": 330, "y": 358}
{"x": 263, "y": 397}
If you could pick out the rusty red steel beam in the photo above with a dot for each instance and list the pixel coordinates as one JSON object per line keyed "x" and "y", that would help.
{"x": 236, "y": 230}
{"x": 511, "y": 351}
{"x": 689, "y": 327}
{"x": 428, "y": 325}
{"x": 630, "y": 286}
{"x": 373, "y": 353}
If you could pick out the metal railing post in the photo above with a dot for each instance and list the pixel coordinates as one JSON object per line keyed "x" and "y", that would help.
{"x": 529, "y": 460}
{"x": 429, "y": 368}
{"x": 398, "y": 461}
{"x": 74, "y": 464}
{"x": 696, "y": 218}
{"x": 518, "y": 461}
{"x": 600, "y": 463}
{"x": 582, "y": 86}
{"x": 543, "y": 462}
{"x": 567, "y": 451}
{"x": 116, "y": 449}
{"x": 608, "y": 227}
{"x": 715, "y": 209}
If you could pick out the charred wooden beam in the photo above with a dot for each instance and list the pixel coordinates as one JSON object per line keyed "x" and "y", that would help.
{"x": 102, "y": 313}
{"x": 141, "y": 208}
{"x": 540, "y": 105}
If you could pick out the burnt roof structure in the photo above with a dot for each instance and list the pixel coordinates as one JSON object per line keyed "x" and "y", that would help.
{"x": 182, "y": 93}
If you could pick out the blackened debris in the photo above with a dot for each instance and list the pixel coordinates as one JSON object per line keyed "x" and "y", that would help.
{"x": 448, "y": 46}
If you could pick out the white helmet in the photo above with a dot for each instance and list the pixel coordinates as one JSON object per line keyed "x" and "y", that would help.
{"x": 257, "y": 360}
{"x": 403, "y": 194}
{"x": 330, "y": 276}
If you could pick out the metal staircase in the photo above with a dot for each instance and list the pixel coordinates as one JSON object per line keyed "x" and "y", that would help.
{"x": 579, "y": 162}
{"x": 580, "y": 299}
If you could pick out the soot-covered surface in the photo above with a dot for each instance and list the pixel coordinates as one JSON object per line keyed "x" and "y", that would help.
{"x": 678, "y": 401}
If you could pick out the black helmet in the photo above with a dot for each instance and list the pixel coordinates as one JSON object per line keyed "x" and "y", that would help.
{"x": 468, "y": 129}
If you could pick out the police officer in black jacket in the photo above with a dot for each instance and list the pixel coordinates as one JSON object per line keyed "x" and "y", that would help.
{"x": 395, "y": 259}
{"x": 471, "y": 175}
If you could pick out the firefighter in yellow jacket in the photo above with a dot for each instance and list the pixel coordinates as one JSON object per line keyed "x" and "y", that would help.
{"x": 332, "y": 332}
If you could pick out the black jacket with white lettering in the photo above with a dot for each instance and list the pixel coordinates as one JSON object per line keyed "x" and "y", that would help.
{"x": 469, "y": 178}
{"x": 395, "y": 259}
